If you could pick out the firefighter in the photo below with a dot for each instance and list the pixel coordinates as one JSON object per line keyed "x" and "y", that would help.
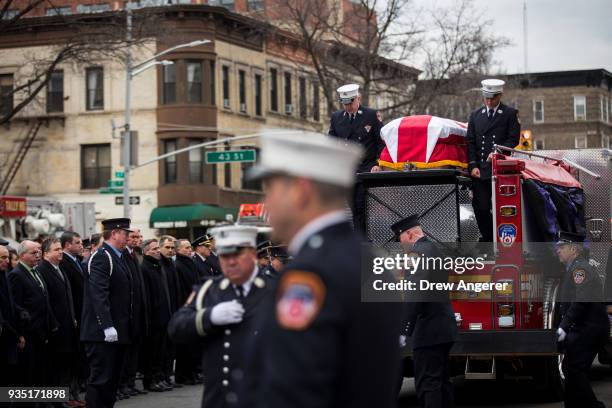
{"x": 224, "y": 315}
{"x": 492, "y": 124}
{"x": 584, "y": 326}
{"x": 321, "y": 345}
{"x": 358, "y": 124}
{"x": 429, "y": 320}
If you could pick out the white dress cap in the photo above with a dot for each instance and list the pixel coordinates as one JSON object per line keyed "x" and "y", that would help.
{"x": 309, "y": 155}
{"x": 492, "y": 87}
{"x": 348, "y": 93}
{"x": 231, "y": 238}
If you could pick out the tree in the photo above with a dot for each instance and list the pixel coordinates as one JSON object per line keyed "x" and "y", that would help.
{"x": 83, "y": 39}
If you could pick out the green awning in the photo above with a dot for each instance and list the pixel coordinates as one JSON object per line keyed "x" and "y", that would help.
{"x": 181, "y": 216}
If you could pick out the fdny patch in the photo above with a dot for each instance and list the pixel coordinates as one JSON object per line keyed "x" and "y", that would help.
{"x": 299, "y": 300}
{"x": 506, "y": 234}
{"x": 579, "y": 275}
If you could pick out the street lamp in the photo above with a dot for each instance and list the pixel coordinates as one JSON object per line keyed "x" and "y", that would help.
{"x": 130, "y": 72}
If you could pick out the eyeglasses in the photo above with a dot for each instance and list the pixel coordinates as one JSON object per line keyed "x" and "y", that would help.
{"x": 4, "y": 257}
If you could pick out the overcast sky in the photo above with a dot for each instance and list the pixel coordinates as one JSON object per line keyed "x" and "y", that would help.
{"x": 562, "y": 34}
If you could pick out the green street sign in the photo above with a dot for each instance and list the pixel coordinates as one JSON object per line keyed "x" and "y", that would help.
{"x": 231, "y": 156}
{"x": 119, "y": 174}
{"x": 109, "y": 190}
{"x": 115, "y": 183}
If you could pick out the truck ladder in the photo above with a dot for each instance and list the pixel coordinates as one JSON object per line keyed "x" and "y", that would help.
{"x": 26, "y": 143}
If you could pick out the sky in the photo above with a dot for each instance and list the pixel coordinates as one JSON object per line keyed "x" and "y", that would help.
{"x": 562, "y": 34}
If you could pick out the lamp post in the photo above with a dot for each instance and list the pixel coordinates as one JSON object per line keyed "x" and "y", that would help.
{"x": 131, "y": 72}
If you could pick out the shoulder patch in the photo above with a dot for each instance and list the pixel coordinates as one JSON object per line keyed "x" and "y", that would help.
{"x": 224, "y": 284}
{"x": 299, "y": 299}
{"x": 579, "y": 276}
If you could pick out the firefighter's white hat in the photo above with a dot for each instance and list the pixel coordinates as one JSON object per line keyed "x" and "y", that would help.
{"x": 231, "y": 238}
{"x": 309, "y": 155}
{"x": 348, "y": 93}
{"x": 492, "y": 87}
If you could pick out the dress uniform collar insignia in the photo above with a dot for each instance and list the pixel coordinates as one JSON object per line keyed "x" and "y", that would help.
{"x": 315, "y": 241}
{"x": 360, "y": 111}
{"x": 500, "y": 111}
{"x": 260, "y": 283}
{"x": 224, "y": 284}
{"x": 484, "y": 111}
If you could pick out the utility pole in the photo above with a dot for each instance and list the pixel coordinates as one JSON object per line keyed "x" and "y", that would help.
{"x": 127, "y": 140}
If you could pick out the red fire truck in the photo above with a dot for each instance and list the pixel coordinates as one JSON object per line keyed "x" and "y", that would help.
{"x": 505, "y": 334}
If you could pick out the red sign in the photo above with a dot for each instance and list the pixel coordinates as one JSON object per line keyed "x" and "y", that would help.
{"x": 12, "y": 207}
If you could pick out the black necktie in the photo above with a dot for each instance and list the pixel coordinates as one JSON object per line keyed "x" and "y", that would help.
{"x": 351, "y": 117}
{"x": 240, "y": 290}
{"x": 490, "y": 114}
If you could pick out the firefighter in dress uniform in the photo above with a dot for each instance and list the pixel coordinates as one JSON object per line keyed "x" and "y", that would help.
{"x": 321, "y": 346}
{"x": 492, "y": 124}
{"x": 272, "y": 258}
{"x": 358, "y": 124}
{"x": 584, "y": 326}
{"x": 224, "y": 314}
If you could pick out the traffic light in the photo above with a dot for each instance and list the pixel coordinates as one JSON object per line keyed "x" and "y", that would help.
{"x": 526, "y": 141}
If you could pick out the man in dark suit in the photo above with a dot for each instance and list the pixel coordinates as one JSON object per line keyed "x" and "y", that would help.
{"x": 224, "y": 316}
{"x": 430, "y": 321}
{"x": 490, "y": 125}
{"x": 186, "y": 358}
{"x": 203, "y": 258}
{"x": 358, "y": 124}
{"x": 140, "y": 319}
{"x": 63, "y": 344}
{"x": 37, "y": 322}
{"x": 311, "y": 348}
{"x": 10, "y": 338}
{"x": 107, "y": 321}
{"x": 160, "y": 311}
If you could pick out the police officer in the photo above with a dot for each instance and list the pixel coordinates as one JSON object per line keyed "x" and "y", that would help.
{"x": 492, "y": 124}
{"x": 584, "y": 326}
{"x": 272, "y": 258}
{"x": 429, "y": 320}
{"x": 321, "y": 345}
{"x": 224, "y": 315}
{"x": 107, "y": 322}
{"x": 358, "y": 124}
{"x": 202, "y": 257}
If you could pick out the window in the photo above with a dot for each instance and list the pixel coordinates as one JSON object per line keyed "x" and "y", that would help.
{"x": 55, "y": 92}
{"x": 605, "y": 141}
{"x": 255, "y": 5}
{"x": 246, "y": 183}
{"x": 213, "y": 85}
{"x": 226, "y": 86}
{"x": 9, "y": 14}
{"x": 95, "y": 165}
{"x": 242, "y": 90}
{"x": 580, "y": 108}
{"x": 196, "y": 164}
{"x": 6, "y": 94}
{"x": 539, "y": 144}
{"x": 95, "y": 88}
{"x": 92, "y": 8}
{"x": 170, "y": 162}
{"x": 169, "y": 87}
{"x": 273, "y": 90}
{"x": 580, "y": 142}
{"x": 538, "y": 111}
{"x": 602, "y": 110}
{"x": 316, "y": 115}
{"x": 58, "y": 11}
{"x": 303, "y": 107}
{"x": 288, "y": 96}
{"x": 258, "y": 110}
{"x": 607, "y": 109}
{"x": 194, "y": 81}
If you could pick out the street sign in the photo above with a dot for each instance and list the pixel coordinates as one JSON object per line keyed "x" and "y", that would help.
{"x": 119, "y": 174}
{"x": 231, "y": 156}
{"x": 115, "y": 183}
{"x": 110, "y": 190}
{"x": 134, "y": 200}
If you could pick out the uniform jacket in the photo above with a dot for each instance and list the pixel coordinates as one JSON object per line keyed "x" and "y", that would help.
{"x": 141, "y": 304}
{"x": 187, "y": 275}
{"x": 364, "y": 130}
{"x": 344, "y": 355}
{"x": 213, "y": 260}
{"x": 173, "y": 283}
{"x": 430, "y": 322}
{"x": 9, "y": 328}
{"x": 205, "y": 268}
{"x": 76, "y": 276}
{"x": 108, "y": 300}
{"x": 225, "y": 351}
{"x": 504, "y": 129}
{"x": 65, "y": 339}
{"x": 160, "y": 309}
{"x": 31, "y": 302}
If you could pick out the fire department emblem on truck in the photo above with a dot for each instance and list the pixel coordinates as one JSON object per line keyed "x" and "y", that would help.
{"x": 507, "y": 234}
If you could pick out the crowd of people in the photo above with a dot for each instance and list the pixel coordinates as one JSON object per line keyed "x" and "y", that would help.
{"x": 42, "y": 295}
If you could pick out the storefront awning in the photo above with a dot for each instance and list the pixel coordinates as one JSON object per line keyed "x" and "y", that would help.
{"x": 183, "y": 216}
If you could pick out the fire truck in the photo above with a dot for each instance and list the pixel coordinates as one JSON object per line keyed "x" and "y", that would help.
{"x": 510, "y": 333}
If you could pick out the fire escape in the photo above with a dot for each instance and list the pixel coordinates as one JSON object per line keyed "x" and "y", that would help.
{"x": 12, "y": 166}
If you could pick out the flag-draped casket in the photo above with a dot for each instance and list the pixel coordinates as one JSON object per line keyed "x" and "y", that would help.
{"x": 424, "y": 141}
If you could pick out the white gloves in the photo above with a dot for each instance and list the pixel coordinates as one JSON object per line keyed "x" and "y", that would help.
{"x": 226, "y": 313}
{"x": 402, "y": 341}
{"x": 110, "y": 335}
{"x": 561, "y": 334}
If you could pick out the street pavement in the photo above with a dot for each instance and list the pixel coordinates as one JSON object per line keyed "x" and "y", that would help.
{"x": 468, "y": 394}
